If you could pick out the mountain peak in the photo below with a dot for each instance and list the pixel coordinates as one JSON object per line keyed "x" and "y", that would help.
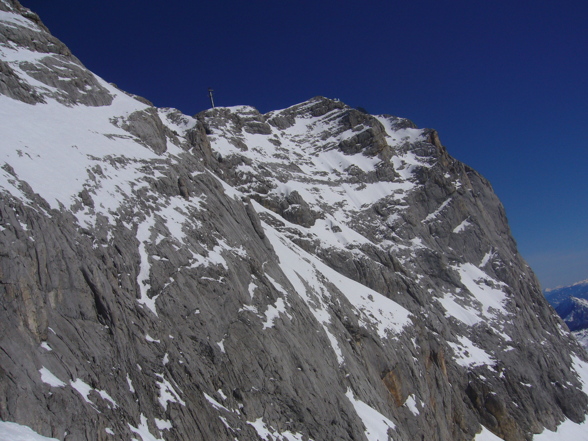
{"x": 312, "y": 273}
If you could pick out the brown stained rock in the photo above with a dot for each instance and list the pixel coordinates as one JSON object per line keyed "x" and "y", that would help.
{"x": 183, "y": 188}
{"x": 394, "y": 385}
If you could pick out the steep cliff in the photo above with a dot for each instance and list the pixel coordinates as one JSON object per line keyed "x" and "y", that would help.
{"x": 314, "y": 273}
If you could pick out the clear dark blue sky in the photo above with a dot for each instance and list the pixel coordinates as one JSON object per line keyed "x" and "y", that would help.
{"x": 504, "y": 82}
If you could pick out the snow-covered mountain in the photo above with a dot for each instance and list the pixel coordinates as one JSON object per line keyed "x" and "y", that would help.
{"x": 314, "y": 273}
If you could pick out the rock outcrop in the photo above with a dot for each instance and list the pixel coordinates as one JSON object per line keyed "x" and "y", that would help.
{"x": 314, "y": 273}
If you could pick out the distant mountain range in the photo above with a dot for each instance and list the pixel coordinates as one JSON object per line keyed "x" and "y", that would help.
{"x": 571, "y": 303}
{"x": 574, "y": 311}
{"x": 557, "y": 295}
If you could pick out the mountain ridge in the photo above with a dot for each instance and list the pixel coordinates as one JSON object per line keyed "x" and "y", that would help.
{"x": 580, "y": 283}
{"x": 311, "y": 273}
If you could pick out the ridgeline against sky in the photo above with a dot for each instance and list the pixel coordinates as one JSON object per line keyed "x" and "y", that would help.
{"x": 502, "y": 82}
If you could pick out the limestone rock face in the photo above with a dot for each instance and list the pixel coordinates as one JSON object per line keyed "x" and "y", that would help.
{"x": 314, "y": 273}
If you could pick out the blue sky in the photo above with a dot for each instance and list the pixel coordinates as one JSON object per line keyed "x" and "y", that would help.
{"x": 504, "y": 82}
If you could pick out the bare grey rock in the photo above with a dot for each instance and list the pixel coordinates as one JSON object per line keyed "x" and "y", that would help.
{"x": 295, "y": 209}
{"x": 147, "y": 126}
{"x": 12, "y": 86}
{"x": 74, "y": 84}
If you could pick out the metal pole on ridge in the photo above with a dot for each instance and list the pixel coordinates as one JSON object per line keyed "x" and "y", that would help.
{"x": 210, "y": 96}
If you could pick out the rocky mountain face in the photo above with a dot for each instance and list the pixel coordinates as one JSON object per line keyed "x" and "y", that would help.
{"x": 314, "y": 273}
